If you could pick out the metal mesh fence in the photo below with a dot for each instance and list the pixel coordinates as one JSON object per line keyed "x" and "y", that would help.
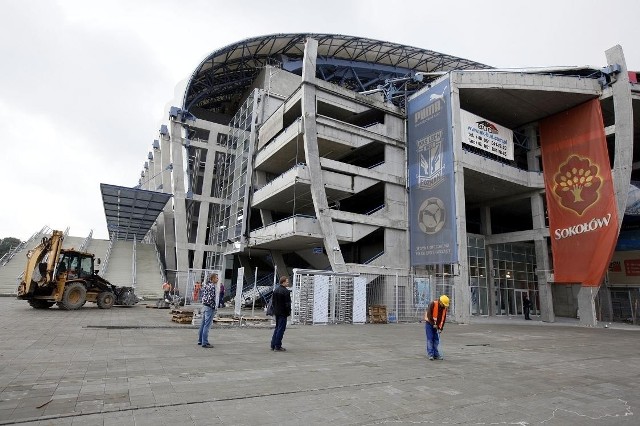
{"x": 405, "y": 297}
{"x": 185, "y": 283}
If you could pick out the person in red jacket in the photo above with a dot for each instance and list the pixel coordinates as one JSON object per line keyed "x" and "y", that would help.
{"x": 435, "y": 317}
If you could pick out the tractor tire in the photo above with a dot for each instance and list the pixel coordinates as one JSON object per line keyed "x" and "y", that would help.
{"x": 74, "y": 296}
{"x": 40, "y": 304}
{"x": 106, "y": 299}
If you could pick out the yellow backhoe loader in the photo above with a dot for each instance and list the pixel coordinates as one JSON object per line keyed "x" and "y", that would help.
{"x": 54, "y": 275}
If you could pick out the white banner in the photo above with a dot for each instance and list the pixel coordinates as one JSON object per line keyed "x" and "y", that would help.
{"x": 359, "y": 300}
{"x": 486, "y": 135}
{"x": 239, "y": 283}
{"x": 320, "y": 299}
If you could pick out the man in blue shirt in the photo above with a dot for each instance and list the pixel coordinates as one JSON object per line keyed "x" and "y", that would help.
{"x": 208, "y": 310}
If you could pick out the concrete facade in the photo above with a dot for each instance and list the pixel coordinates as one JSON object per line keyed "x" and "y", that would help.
{"x": 320, "y": 182}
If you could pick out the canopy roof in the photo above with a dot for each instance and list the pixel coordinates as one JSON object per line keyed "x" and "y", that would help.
{"x": 222, "y": 78}
{"x": 130, "y": 212}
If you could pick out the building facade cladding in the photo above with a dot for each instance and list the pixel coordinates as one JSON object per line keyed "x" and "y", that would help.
{"x": 328, "y": 186}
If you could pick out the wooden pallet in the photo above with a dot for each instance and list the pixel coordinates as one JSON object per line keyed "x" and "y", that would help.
{"x": 182, "y": 317}
{"x": 182, "y": 312}
{"x": 378, "y": 314}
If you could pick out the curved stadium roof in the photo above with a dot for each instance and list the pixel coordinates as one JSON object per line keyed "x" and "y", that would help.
{"x": 357, "y": 63}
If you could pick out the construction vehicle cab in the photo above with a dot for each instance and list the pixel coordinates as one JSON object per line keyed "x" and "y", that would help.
{"x": 68, "y": 278}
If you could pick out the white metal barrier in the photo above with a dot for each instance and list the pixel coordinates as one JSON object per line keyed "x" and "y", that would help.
{"x": 325, "y": 297}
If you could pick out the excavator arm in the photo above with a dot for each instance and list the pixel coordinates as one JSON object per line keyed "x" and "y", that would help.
{"x": 41, "y": 265}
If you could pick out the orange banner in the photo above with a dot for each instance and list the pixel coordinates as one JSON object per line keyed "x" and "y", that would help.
{"x": 583, "y": 217}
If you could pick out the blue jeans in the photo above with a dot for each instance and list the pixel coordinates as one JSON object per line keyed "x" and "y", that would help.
{"x": 207, "y": 318}
{"x": 278, "y": 332}
{"x": 433, "y": 339}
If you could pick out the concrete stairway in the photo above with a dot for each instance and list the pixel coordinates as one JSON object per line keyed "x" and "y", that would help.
{"x": 10, "y": 272}
{"x": 120, "y": 267}
{"x": 99, "y": 249}
{"x": 70, "y": 242}
{"x": 148, "y": 275}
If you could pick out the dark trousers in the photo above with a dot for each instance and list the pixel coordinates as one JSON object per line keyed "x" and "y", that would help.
{"x": 278, "y": 332}
{"x": 526, "y": 312}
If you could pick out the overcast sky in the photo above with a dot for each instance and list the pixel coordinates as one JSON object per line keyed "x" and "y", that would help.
{"x": 85, "y": 84}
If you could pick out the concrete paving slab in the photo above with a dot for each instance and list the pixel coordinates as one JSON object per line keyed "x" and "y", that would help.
{"x": 134, "y": 366}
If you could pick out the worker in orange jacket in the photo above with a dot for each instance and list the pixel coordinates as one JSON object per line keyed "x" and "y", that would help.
{"x": 435, "y": 317}
{"x": 166, "y": 288}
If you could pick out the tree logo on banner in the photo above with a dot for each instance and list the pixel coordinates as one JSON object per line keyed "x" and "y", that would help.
{"x": 431, "y": 215}
{"x": 577, "y": 184}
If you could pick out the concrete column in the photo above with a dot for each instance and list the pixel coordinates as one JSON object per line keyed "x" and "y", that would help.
{"x": 485, "y": 223}
{"x": 312, "y": 156}
{"x": 179, "y": 196}
{"x": 462, "y": 293}
{"x": 151, "y": 173}
{"x": 545, "y": 294}
{"x": 586, "y": 306}
{"x": 622, "y": 163}
{"x": 166, "y": 231}
{"x": 205, "y": 202}
{"x": 278, "y": 261}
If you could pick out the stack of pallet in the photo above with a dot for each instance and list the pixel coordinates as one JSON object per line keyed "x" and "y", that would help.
{"x": 181, "y": 316}
{"x": 378, "y": 314}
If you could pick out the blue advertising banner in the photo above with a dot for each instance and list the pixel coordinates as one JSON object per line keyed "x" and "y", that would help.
{"x": 432, "y": 209}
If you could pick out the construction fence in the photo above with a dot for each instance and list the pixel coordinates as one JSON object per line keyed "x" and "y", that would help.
{"x": 325, "y": 297}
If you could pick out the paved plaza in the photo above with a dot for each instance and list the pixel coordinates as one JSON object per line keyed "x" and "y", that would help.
{"x": 133, "y": 366}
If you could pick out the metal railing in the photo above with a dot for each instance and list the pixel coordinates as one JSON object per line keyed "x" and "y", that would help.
{"x": 105, "y": 263}
{"x": 133, "y": 265}
{"x": 12, "y": 252}
{"x": 163, "y": 275}
{"x": 86, "y": 242}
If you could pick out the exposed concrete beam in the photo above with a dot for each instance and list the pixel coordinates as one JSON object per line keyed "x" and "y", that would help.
{"x": 505, "y": 200}
{"x": 513, "y": 237}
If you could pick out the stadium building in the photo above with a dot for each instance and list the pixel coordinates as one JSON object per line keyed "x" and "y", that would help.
{"x": 419, "y": 171}
{"x": 295, "y": 151}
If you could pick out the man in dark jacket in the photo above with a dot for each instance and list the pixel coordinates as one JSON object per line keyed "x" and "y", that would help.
{"x": 526, "y": 305}
{"x": 281, "y": 302}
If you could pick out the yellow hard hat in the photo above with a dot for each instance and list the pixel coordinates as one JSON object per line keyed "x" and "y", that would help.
{"x": 444, "y": 300}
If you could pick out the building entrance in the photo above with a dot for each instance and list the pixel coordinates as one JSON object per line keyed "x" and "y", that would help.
{"x": 519, "y": 299}
{"x": 501, "y": 274}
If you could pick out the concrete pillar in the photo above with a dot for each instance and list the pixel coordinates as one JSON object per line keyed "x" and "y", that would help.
{"x": 152, "y": 172}
{"x": 166, "y": 240}
{"x": 205, "y": 202}
{"x": 179, "y": 196}
{"x": 485, "y": 223}
{"x": 586, "y": 306}
{"x": 462, "y": 293}
{"x": 622, "y": 163}
{"x": 545, "y": 294}
{"x": 312, "y": 157}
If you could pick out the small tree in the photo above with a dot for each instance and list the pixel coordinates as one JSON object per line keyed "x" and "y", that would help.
{"x": 7, "y": 244}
